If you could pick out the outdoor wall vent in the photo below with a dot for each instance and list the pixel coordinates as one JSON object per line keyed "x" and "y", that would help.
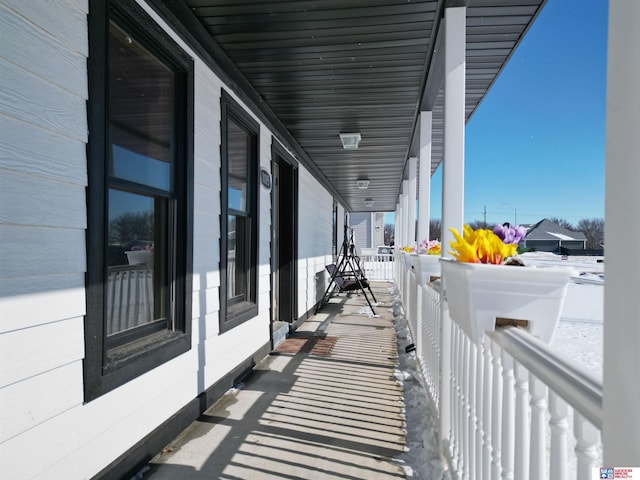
{"x": 362, "y": 184}
{"x": 350, "y": 141}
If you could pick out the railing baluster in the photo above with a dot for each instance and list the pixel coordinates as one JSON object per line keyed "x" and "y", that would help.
{"x": 479, "y": 402}
{"x": 521, "y": 470}
{"x": 588, "y": 439}
{"x": 456, "y": 397}
{"x": 496, "y": 414}
{"x": 486, "y": 410}
{"x": 471, "y": 405}
{"x": 466, "y": 408}
{"x": 508, "y": 411}
{"x": 538, "y": 392}
{"x": 559, "y": 410}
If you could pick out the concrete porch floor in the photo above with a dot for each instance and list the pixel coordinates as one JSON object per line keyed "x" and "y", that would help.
{"x": 324, "y": 405}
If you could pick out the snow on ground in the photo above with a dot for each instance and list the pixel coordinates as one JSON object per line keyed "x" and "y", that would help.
{"x": 421, "y": 459}
{"x": 579, "y": 333}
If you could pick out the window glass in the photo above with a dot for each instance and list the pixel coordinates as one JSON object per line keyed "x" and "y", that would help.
{"x": 141, "y": 96}
{"x": 139, "y": 197}
{"x": 238, "y": 153}
{"x": 237, "y": 261}
{"x": 129, "y": 165}
{"x": 137, "y": 236}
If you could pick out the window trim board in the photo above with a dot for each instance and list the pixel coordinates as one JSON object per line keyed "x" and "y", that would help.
{"x": 229, "y": 108}
{"x": 154, "y": 350}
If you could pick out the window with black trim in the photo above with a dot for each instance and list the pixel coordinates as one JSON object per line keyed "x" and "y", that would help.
{"x": 140, "y": 164}
{"x": 239, "y": 220}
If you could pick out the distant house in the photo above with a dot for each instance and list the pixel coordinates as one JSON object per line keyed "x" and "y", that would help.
{"x": 548, "y": 236}
{"x": 368, "y": 229}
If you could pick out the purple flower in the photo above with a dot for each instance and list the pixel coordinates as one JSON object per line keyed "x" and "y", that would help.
{"x": 509, "y": 234}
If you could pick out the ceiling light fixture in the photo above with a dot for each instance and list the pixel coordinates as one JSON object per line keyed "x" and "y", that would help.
{"x": 350, "y": 141}
{"x": 362, "y": 184}
{"x": 368, "y": 202}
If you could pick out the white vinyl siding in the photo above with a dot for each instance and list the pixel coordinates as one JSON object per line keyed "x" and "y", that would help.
{"x": 315, "y": 227}
{"x": 42, "y": 230}
{"x": 43, "y": 220}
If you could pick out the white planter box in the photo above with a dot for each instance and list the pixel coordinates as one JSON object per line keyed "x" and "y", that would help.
{"x": 407, "y": 260}
{"x": 477, "y": 294}
{"x": 425, "y": 267}
{"x": 140, "y": 257}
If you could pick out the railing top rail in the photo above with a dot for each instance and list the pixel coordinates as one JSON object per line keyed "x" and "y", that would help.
{"x": 578, "y": 388}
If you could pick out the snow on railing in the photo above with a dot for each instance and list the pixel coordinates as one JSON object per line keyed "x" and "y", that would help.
{"x": 511, "y": 398}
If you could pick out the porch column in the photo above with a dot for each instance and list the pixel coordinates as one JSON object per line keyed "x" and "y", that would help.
{"x": 405, "y": 212}
{"x": 411, "y": 194}
{"x": 452, "y": 181}
{"x": 396, "y": 224}
{"x": 400, "y": 231}
{"x": 425, "y": 176}
{"x": 621, "y": 403}
{"x": 454, "y": 120}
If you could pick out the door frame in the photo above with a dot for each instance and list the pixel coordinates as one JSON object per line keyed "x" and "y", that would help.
{"x": 284, "y": 224}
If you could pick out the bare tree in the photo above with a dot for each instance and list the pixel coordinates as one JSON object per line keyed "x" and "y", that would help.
{"x": 389, "y": 231}
{"x": 435, "y": 230}
{"x": 480, "y": 224}
{"x": 593, "y": 229}
{"x": 131, "y": 226}
{"x": 563, "y": 223}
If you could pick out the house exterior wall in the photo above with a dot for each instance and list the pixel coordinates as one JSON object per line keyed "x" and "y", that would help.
{"x": 43, "y": 221}
{"x": 553, "y": 245}
{"x": 361, "y": 224}
{"x": 378, "y": 229}
{"x": 315, "y": 227}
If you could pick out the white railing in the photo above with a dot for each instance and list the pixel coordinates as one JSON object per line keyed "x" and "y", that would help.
{"x": 377, "y": 267}
{"x": 129, "y": 297}
{"x": 505, "y": 405}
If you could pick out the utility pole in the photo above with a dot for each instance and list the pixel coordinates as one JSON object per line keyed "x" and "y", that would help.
{"x": 484, "y": 214}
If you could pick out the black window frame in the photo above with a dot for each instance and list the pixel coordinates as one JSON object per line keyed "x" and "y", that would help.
{"x": 233, "y": 315}
{"x": 133, "y": 359}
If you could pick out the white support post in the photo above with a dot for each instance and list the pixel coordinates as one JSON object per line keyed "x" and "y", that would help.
{"x": 405, "y": 212}
{"x": 411, "y": 217}
{"x": 453, "y": 180}
{"x": 400, "y": 222}
{"x": 424, "y": 183}
{"x": 454, "y": 121}
{"x": 396, "y": 226}
{"x": 621, "y": 403}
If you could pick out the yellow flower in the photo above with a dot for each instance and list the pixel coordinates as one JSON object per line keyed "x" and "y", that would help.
{"x": 465, "y": 248}
{"x": 480, "y": 246}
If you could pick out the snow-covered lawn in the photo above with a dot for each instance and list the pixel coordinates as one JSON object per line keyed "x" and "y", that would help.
{"x": 579, "y": 333}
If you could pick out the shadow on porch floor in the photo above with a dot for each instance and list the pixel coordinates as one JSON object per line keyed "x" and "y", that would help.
{"x": 324, "y": 405}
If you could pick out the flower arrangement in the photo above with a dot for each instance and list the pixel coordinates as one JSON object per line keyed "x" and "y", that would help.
{"x": 483, "y": 246}
{"x": 407, "y": 249}
{"x": 430, "y": 247}
{"x": 139, "y": 248}
{"x": 509, "y": 234}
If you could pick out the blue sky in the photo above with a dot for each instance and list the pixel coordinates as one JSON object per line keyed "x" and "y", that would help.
{"x": 536, "y": 143}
